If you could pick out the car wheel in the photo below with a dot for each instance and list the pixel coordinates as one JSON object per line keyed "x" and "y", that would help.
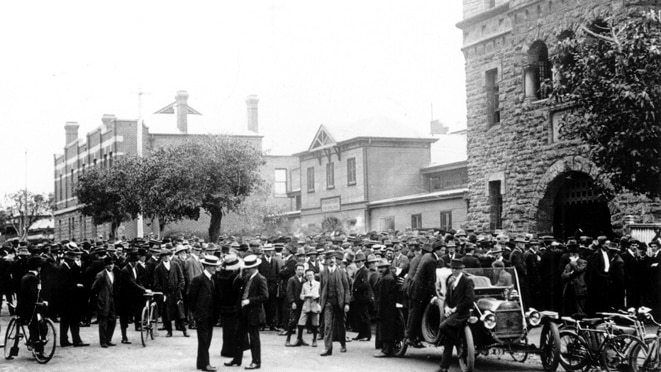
{"x": 467, "y": 360}
{"x": 431, "y": 321}
{"x": 549, "y": 345}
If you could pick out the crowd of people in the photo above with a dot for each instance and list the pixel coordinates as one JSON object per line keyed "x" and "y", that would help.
{"x": 321, "y": 286}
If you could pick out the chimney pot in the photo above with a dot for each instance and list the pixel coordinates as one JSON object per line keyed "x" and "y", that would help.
{"x": 71, "y": 131}
{"x": 251, "y": 103}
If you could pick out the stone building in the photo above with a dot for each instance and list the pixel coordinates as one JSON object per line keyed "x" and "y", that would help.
{"x": 522, "y": 175}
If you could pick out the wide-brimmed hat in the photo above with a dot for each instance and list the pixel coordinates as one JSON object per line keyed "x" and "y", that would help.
{"x": 210, "y": 260}
{"x": 360, "y": 256}
{"x": 372, "y": 258}
{"x": 497, "y": 250}
{"x": 251, "y": 261}
{"x": 300, "y": 252}
{"x": 329, "y": 254}
{"x": 457, "y": 264}
{"x": 73, "y": 252}
{"x": 231, "y": 262}
{"x": 383, "y": 262}
{"x": 180, "y": 248}
{"x": 520, "y": 239}
{"x": 164, "y": 252}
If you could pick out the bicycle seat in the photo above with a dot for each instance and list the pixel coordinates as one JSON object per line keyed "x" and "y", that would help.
{"x": 591, "y": 321}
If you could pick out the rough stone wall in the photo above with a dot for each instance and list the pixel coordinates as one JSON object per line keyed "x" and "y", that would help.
{"x": 521, "y": 151}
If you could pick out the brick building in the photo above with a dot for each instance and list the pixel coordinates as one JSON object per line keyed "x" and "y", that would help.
{"x": 377, "y": 175}
{"x": 522, "y": 176}
{"x": 116, "y": 138}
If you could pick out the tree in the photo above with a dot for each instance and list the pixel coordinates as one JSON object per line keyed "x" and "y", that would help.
{"x": 164, "y": 188}
{"x": 23, "y": 208}
{"x": 610, "y": 73}
{"x": 109, "y": 194}
{"x": 213, "y": 172}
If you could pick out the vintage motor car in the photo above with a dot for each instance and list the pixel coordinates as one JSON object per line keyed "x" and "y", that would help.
{"x": 500, "y": 321}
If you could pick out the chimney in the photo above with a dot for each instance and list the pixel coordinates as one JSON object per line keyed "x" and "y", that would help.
{"x": 436, "y": 127}
{"x": 71, "y": 131}
{"x": 181, "y": 109}
{"x": 251, "y": 103}
{"x": 107, "y": 120}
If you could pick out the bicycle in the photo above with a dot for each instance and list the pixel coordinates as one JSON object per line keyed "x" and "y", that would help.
{"x": 592, "y": 342}
{"x": 149, "y": 318}
{"x": 43, "y": 348}
{"x": 647, "y": 357}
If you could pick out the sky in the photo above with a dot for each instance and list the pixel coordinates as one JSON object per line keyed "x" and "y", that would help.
{"x": 309, "y": 62}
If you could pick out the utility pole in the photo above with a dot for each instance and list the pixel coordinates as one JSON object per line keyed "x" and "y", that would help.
{"x": 25, "y": 196}
{"x": 140, "y": 223}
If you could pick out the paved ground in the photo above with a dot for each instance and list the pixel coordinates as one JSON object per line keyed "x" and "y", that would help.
{"x": 178, "y": 354}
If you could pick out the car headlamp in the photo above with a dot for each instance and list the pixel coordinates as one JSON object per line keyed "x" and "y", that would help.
{"x": 534, "y": 317}
{"x": 489, "y": 320}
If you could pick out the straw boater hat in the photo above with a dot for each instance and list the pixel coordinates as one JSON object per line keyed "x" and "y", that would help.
{"x": 210, "y": 260}
{"x": 251, "y": 261}
{"x": 180, "y": 248}
{"x": 231, "y": 262}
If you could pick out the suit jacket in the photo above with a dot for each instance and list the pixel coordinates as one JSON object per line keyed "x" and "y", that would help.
{"x": 201, "y": 298}
{"x": 27, "y": 296}
{"x": 343, "y": 291}
{"x": 362, "y": 290}
{"x": 258, "y": 293}
{"x": 423, "y": 287}
{"x": 105, "y": 290}
{"x": 192, "y": 268}
{"x": 130, "y": 292}
{"x": 462, "y": 297}
{"x": 294, "y": 287}
{"x": 170, "y": 282}
{"x": 70, "y": 297}
{"x": 310, "y": 296}
{"x": 270, "y": 271}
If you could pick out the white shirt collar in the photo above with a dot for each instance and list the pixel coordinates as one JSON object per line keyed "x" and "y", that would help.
{"x": 207, "y": 274}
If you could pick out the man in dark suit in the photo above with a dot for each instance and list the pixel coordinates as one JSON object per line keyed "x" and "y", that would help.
{"x": 423, "y": 288}
{"x": 169, "y": 279}
{"x": 599, "y": 267}
{"x": 361, "y": 300}
{"x": 254, "y": 293}
{"x": 104, "y": 289}
{"x": 458, "y": 302}
{"x": 201, "y": 297}
{"x": 335, "y": 297}
{"x": 130, "y": 294}
{"x": 469, "y": 258}
{"x": 287, "y": 270}
{"x": 27, "y": 297}
{"x": 270, "y": 268}
{"x": 294, "y": 288}
{"x": 72, "y": 298}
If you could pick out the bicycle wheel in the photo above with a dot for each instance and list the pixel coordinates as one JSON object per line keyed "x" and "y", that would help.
{"x": 400, "y": 346}
{"x": 11, "y": 339}
{"x": 153, "y": 322}
{"x": 44, "y": 349}
{"x": 549, "y": 344}
{"x": 640, "y": 359}
{"x": 145, "y": 326}
{"x": 616, "y": 352}
{"x": 574, "y": 351}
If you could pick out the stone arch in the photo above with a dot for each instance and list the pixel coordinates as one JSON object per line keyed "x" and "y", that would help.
{"x": 562, "y": 166}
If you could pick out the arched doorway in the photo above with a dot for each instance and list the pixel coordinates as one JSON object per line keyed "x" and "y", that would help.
{"x": 573, "y": 205}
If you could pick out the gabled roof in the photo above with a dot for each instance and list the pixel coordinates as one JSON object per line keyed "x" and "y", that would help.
{"x": 322, "y": 139}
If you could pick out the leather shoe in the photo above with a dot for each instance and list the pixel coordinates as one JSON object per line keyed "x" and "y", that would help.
{"x": 381, "y": 355}
{"x": 169, "y": 334}
{"x": 283, "y": 333}
{"x": 314, "y": 343}
{"x": 343, "y": 349}
{"x": 232, "y": 364}
{"x": 252, "y": 366}
{"x": 80, "y": 344}
{"x": 65, "y": 344}
{"x": 301, "y": 343}
{"x": 289, "y": 344}
{"x": 104, "y": 346}
{"x": 327, "y": 353}
{"x": 111, "y": 344}
{"x": 126, "y": 342}
{"x": 209, "y": 368}
{"x": 186, "y": 334}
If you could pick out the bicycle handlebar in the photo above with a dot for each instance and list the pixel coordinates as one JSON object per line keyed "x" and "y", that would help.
{"x": 151, "y": 294}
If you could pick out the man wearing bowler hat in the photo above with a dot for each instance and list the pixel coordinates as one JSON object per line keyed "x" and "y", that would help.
{"x": 202, "y": 300}
{"x": 361, "y": 300}
{"x": 458, "y": 302}
{"x": 104, "y": 289}
{"x": 254, "y": 293}
{"x": 129, "y": 295}
{"x": 72, "y": 299}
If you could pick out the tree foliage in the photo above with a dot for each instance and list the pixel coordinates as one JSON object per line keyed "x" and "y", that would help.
{"x": 108, "y": 194}
{"x": 610, "y": 72}
{"x": 23, "y": 208}
{"x": 211, "y": 173}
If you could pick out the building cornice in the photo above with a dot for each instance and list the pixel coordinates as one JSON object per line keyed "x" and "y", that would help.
{"x": 500, "y": 9}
